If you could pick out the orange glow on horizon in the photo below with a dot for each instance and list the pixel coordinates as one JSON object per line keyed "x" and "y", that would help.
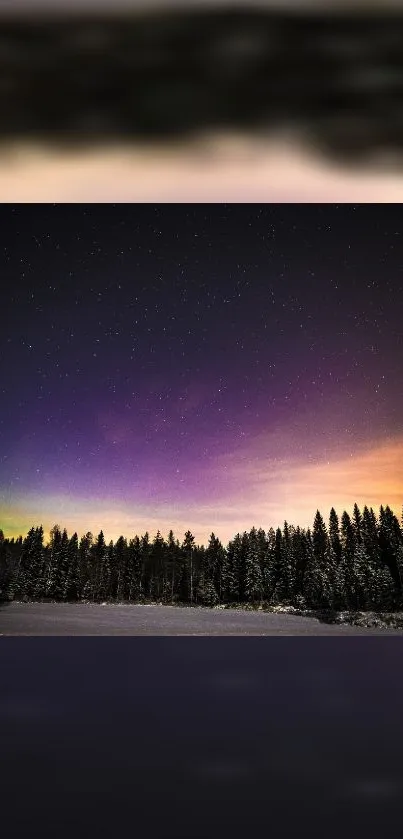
{"x": 271, "y": 492}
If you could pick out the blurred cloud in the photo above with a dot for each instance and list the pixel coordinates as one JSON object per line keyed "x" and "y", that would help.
{"x": 279, "y": 173}
{"x": 279, "y": 100}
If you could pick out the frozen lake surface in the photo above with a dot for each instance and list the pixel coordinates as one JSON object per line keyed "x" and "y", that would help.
{"x": 88, "y": 619}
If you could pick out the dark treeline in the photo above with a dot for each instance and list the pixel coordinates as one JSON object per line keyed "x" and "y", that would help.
{"x": 355, "y": 563}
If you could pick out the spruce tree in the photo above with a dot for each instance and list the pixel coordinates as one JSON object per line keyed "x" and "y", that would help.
{"x": 157, "y": 561}
{"x": 355, "y": 566}
{"x": 313, "y": 577}
{"x": 145, "y": 566}
{"x": 173, "y": 553}
{"x": 6, "y": 568}
{"x": 302, "y": 553}
{"x": 218, "y": 553}
{"x": 15, "y": 552}
{"x": 268, "y": 566}
{"x": 253, "y": 575}
{"x": 98, "y": 558}
{"x": 27, "y": 571}
{"x": 325, "y": 562}
{"x": 231, "y": 570}
{"x": 113, "y": 569}
{"x": 285, "y": 568}
{"x": 369, "y": 536}
{"x": 120, "y": 571}
{"x": 399, "y": 564}
{"x": 39, "y": 588}
{"x": 334, "y": 536}
{"x": 205, "y": 588}
{"x": 277, "y": 571}
{"x": 52, "y": 572}
{"x": 389, "y": 541}
{"x": 202, "y": 581}
{"x": 105, "y": 574}
{"x": 347, "y": 575}
{"x": 357, "y": 523}
{"x": 211, "y": 573}
{"x": 187, "y": 577}
{"x": 85, "y": 565}
{"x": 61, "y": 568}
{"x": 72, "y": 589}
{"x": 135, "y": 567}
{"x": 32, "y": 561}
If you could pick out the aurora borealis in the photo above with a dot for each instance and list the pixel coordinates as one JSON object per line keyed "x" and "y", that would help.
{"x": 210, "y": 367}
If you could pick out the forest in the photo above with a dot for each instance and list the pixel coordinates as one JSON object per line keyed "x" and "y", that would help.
{"x": 355, "y": 563}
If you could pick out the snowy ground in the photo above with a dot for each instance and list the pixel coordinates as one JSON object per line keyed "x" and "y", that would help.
{"x": 97, "y": 619}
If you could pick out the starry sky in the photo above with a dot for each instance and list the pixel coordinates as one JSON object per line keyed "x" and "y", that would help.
{"x": 210, "y": 367}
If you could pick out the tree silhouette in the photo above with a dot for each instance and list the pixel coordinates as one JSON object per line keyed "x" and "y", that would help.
{"x": 357, "y": 565}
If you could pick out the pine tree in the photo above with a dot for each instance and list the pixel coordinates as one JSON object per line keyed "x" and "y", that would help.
{"x": 61, "y": 568}
{"x": 347, "y": 575}
{"x": 277, "y": 571}
{"x": 325, "y": 561}
{"x": 85, "y": 565}
{"x": 362, "y": 577}
{"x": 242, "y": 566}
{"x": 389, "y": 540}
{"x": 105, "y": 574}
{"x": 313, "y": 577}
{"x": 253, "y": 576}
{"x": 22, "y": 572}
{"x": 135, "y": 570}
{"x": 399, "y": 564}
{"x": 72, "y": 589}
{"x": 157, "y": 562}
{"x": 202, "y": 581}
{"x": 188, "y": 549}
{"x": 299, "y": 553}
{"x": 218, "y": 562}
{"x": 231, "y": 571}
{"x": 384, "y": 591}
{"x": 211, "y": 571}
{"x": 120, "y": 571}
{"x": 357, "y": 523}
{"x": 369, "y": 537}
{"x": 98, "y": 558}
{"x": 334, "y": 537}
{"x": 54, "y": 561}
{"x": 285, "y": 568}
{"x": 13, "y": 561}
{"x": 145, "y": 566}
{"x": 39, "y": 588}
{"x": 26, "y": 573}
{"x": 173, "y": 552}
{"x": 113, "y": 569}
{"x": 268, "y": 566}
{"x": 356, "y": 571}
{"x": 6, "y": 567}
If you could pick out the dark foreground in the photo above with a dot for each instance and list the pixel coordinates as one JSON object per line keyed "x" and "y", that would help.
{"x": 97, "y": 619}
{"x": 172, "y": 738}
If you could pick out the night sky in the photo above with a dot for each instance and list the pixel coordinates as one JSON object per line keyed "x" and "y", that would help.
{"x": 210, "y": 367}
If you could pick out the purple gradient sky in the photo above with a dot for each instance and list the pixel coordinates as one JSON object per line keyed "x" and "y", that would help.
{"x": 202, "y": 366}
